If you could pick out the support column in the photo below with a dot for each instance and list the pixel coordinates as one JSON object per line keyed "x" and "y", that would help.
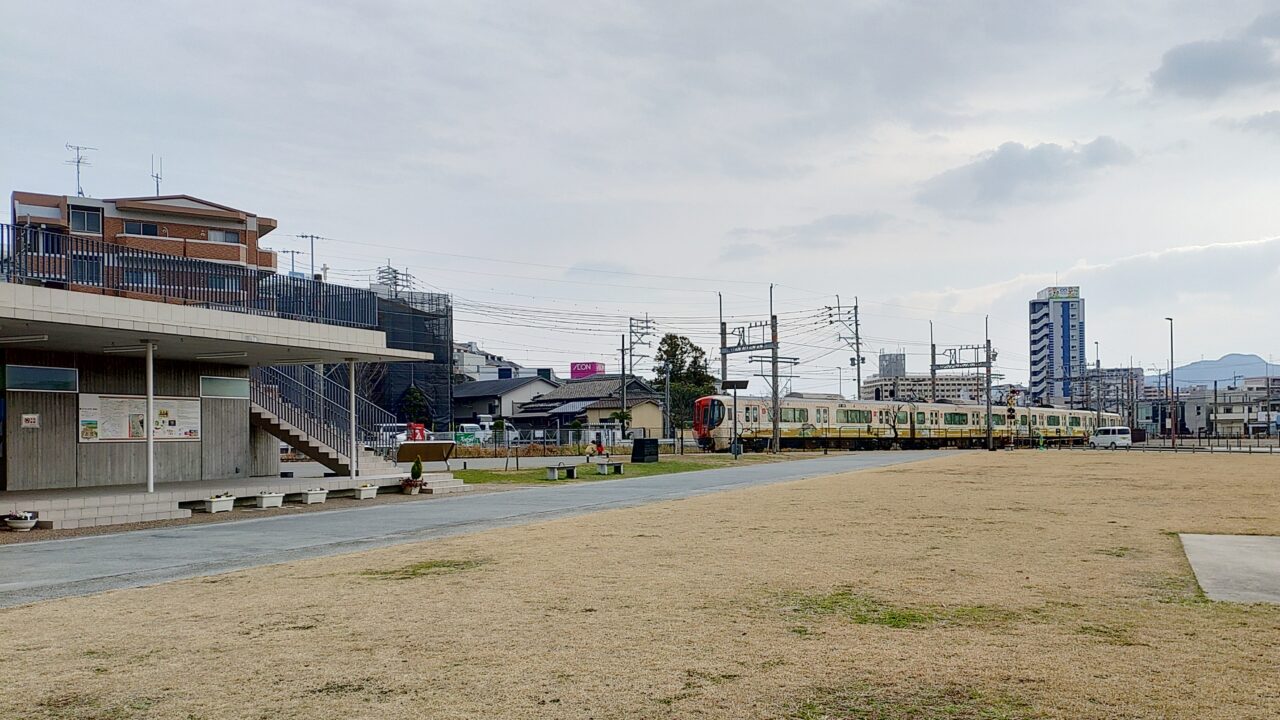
{"x": 355, "y": 442}
{"x": 151, "y": 417}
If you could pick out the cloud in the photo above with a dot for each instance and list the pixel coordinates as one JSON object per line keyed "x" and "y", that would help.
{"x": 1209, "y": 68}
{"x": 1267, "y": 122}
{"x": 824, "y": 231}
{"x": 1014, "y": 174}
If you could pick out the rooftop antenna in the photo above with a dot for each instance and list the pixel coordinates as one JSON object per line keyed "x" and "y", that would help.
{"x": 157, "y": 175}
{"x": 80, "y": 161}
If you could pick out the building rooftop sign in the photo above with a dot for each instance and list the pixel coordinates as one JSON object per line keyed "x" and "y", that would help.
{"x": 1062, "y": 292}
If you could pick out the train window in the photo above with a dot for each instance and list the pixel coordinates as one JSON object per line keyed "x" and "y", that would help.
{"x": 824, "y": 415}
{"x": 997, "y": 420}
{"x": 955, "y": 418}
{"x": 903, "y": 417}
{"x": 853, "y": 416}
{"x": 795, "y": 415}
{"x": 919, "y": 418}
{"x": 1054, "y": 421}
{"x": 1073, "y": 421}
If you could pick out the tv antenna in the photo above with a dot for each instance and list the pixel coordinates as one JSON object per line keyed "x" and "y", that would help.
{"x": 157, "y": 175}
{"x": 79, "y": 162}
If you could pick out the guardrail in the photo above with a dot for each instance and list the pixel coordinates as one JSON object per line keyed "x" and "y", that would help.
{"x": 292, "y": 401}
{"x": 72, "y": 262}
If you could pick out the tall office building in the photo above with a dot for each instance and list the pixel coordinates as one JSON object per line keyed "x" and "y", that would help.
{"x": 1058, "y": 361}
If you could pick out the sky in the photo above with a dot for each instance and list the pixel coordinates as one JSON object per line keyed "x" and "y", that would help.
{"x": 559, "y": 167}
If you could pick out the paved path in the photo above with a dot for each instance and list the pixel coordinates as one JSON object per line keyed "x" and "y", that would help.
{"x": 1236, "y": 568}
{"x": 36, "y": 571}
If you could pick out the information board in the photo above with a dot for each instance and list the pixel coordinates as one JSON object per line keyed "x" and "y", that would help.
{"x": 122, "y": 418}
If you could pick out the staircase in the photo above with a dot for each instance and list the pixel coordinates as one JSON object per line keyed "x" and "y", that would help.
{"x": 299, "y": 406}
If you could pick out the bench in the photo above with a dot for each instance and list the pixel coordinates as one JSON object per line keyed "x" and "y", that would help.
{"x": 570, "y": 472}
{"x": 604, "y": 467}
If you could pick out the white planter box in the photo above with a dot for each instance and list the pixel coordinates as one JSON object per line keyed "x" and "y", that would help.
{"x": 21, "y": 525}
{"x": 363, "y": 493}
{"x": 270, "y": 500}
{"x": 311, "y": 497}
{"x": 222, "y": 504}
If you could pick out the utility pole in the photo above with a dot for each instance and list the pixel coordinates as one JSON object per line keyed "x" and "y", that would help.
{"x": 724, "y": 336}
{"x": 1173, "y": 392}
{"x": 622, "y": 413}
{"x": 637, "y": 331}
{"x": 987, "y": 325}
{"x": 856, "y": 340}
{"x": 777, "y": 405}
{"x": 1097, "y": 366}
{"x": 933, "y": 366}
{"x": 313, "y": 239}
{"x": 292, "y": 255}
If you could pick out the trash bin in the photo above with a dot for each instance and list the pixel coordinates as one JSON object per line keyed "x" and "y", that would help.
{"x": 644, "y": 450}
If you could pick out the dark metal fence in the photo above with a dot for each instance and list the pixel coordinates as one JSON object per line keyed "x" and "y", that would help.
{"x": 32, "y": 255}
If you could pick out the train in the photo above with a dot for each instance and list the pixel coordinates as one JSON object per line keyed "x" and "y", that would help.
{"x": 811, "y": 421}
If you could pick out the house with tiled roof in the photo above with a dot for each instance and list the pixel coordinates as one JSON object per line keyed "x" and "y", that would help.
{"x": 591, "y": 401}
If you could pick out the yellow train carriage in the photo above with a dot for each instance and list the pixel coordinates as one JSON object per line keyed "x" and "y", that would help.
{"x": 831, "y": 421}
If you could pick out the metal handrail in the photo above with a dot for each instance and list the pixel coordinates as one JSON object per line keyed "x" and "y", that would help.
{"x": 73, "y": 262}
{"x": 303, "y": 407}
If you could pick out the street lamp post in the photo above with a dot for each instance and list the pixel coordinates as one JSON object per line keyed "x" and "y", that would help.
{"x": 1173, "y": 393}
{"x": 1097, "y": 361}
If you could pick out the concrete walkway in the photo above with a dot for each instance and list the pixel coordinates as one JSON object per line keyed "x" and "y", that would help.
{"x": 35, "y": 571}
{"x": 1235, "y": 568}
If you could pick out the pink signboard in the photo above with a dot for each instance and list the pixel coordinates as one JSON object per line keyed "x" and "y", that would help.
{"x": 580, "y": 370}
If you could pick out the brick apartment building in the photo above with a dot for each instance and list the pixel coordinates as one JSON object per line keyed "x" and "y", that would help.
{"x": 178, "y": 225}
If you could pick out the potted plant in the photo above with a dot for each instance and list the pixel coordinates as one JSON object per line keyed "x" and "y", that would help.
{"x": 366, "y": 491}
{"x": 314, "y": 495}
{"x": 221, "y": 502}
{"x": 413, "y": 484}
{"x": 21, "y": 521}
{"x": 268, "y": 499}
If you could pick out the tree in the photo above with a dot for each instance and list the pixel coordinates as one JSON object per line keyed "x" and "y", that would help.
{"x": 415, "y": 406}
{"x": 690, "y": 378}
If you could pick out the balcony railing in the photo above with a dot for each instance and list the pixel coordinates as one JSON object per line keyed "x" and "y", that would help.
{"x": 35, "y": 256}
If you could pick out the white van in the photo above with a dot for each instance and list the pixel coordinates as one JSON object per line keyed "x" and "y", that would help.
{"x": 1111, "y": 437}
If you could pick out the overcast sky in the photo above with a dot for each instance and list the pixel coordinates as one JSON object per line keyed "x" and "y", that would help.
{"x": 937, "y": 160}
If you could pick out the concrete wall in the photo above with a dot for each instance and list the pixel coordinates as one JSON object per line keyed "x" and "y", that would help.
{"x": 52, "y": 455}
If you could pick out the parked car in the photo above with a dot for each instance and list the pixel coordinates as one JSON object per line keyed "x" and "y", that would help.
{"x": 388, "y": 436}
{"x": 1111, "y": 437}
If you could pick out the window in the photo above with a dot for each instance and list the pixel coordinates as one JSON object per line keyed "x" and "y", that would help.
{"x": 919, "y": 418}
{"x": 86, "y": 220}
{"x": 86, "y": 269}
{"x": 997, "y": 420}
{"x": 955, "y": 418}
{"x": 224, "y": 387}
{"x": 1073, "y": 421}
{"x": 795, "y": 415}
{"x": 903, "y": 417}
{"x": 853, "y": 416}
{"x": 132, "y": 227}
{"x": 226, "y": 236}
{"x": 824, "y": 416}
{"x": 41, "y": 379}
{"x": 148, "y": 278}
{"x": 224, "y": 282}
{"x": 1054, "y": 421}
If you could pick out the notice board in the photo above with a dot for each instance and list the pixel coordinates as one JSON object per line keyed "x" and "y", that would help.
{"x": 122, "y": 418}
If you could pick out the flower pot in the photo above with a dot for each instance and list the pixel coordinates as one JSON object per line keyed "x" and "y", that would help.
{"x": 311, "y": 497}
{"x": 411, "y": 489}
{"x": 270, "y": 499}
{"x": 364, "y": 493}
{"x": 219, "y": 504}
{"x": 20, "y": 525}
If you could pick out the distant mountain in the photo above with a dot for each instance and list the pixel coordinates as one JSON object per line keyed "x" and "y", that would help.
{"x": 1204, "y": 372}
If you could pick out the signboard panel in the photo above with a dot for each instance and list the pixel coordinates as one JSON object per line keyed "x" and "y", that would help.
{"x": 122, "y": 418}
{"x": 580, "y": 370}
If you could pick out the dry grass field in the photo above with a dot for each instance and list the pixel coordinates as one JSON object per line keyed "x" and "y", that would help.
{"x": 978, "y": 585}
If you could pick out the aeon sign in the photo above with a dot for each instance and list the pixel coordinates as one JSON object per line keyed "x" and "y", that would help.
{"x": 580, "y": 370}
